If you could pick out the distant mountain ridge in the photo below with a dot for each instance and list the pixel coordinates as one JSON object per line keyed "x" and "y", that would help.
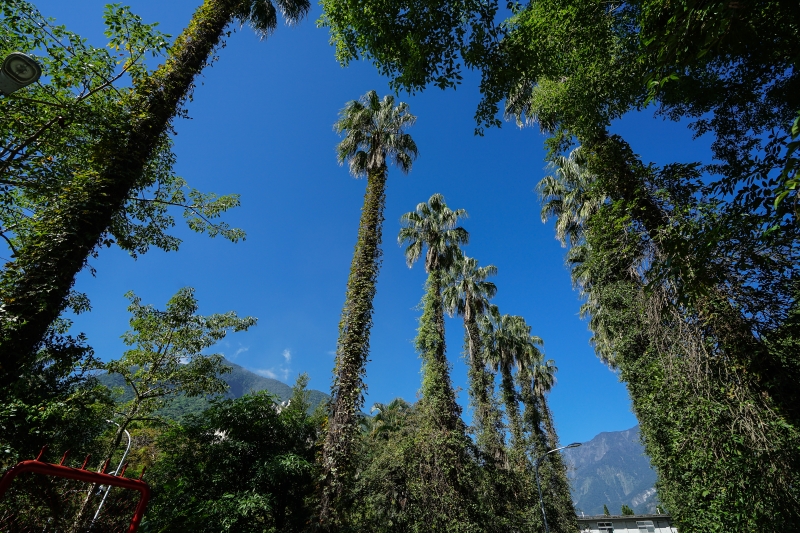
{"x": 240, "y": 382}
{"x": 611, "y": 469}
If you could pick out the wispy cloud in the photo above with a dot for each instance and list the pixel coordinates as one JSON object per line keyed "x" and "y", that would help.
{"x": 267, "y": 373}
{"x": 331, "y": 352}
{"x": 279, "y": 372}
{"x": 240, "y": 351}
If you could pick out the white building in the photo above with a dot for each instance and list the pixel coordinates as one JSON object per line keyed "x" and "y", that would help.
{"x": 643, "y": 523}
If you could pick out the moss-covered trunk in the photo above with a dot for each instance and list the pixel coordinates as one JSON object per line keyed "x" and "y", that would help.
{"x": 487, "y": 420}
{"x": 717, "y": 414}
{"x": 34, "y": 288}
{"x": 509, "y": 396}
{"x": 438, "y": 397}
{"x": 352, "y": 351}
{"x": 541, "y": 438}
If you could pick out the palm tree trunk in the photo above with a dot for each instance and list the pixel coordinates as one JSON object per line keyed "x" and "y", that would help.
{"x": 437, "y": 390}
{"x": 353, "y": 349}
{"x": 487, "y": 417}
{"x": 34, "y": 288}
{"x": 762, "y": 370}
{"x": 512, "y": 409}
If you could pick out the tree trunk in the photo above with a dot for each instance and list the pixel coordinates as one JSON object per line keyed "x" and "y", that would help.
{"x": 82, "y": 516}
{"x": 353, "y": 350}
{"x": 512, "y": 410}
{"x": 724, "y": 322}
{"x": 34, "y": 288}
{"x": 487, "y": 417}
{"x": 437, "y": 392}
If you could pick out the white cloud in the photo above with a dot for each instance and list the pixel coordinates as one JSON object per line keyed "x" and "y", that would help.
{"x": 280, "y": 372}
{"x": 240, "y": 351}
{"x": 331, "y": 353}
{"x": 267, "y": 373}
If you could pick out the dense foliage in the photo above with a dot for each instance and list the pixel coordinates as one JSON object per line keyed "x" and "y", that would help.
{"x": 689, "y": 269}
{"x": 243, "y": 465}
{"x": 58, "y": 138}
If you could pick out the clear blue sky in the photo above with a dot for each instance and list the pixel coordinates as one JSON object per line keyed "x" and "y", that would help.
{"x": 261, "y": 126}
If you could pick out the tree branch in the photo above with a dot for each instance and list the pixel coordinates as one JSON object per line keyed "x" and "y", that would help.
{"x": 192, "y": 208}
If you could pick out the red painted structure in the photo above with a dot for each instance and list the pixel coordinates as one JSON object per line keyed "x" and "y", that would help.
{"x": 81, "y": 474}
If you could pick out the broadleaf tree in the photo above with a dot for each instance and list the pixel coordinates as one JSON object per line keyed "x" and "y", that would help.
{"x": 69, "y": 229}
{"x": 167, "y": 358}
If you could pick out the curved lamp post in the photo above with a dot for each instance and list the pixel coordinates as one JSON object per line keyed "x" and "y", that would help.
{"x": 539, "y": 486}
{"x": 18, "y": 71}
{"x": 108, "y": 488}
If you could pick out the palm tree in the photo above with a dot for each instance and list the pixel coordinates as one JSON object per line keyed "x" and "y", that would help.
{"x": 388, "y": 417}
{"x": 433, "y": 226}
{"x": 544, "y": 378}
{"x": 504, "y": 345}
{"x": 443, "y": 475}
{"x": 35, "y": 287}
{"x": 568, "y": 196}
{"x": 536, "y": 380}
{"x": 374, "y": 133}
{"x": 467, "y": 293}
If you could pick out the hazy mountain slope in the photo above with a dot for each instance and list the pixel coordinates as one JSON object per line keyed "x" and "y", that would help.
{"x": 240, "y": 382}
{"x": 611, "y": 469}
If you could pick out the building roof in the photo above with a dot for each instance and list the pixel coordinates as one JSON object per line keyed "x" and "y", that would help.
{"x": 624, "y": 517}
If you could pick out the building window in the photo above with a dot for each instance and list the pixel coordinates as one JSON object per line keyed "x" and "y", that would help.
{"x": 645, "y": 526}
{"x": 606, "y": 527}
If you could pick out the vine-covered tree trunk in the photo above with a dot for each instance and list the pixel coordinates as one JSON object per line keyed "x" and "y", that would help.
{"x": 34, "y": 288}
{"x": 541, "y": 438}
{"x": 438, "y": 397}
{"x": 512, "y": 410}
{"x": 445, "y": 477}
{"x": 715, "y": 416}
{"x": 614, "y": 165}
{"x": 352, "y": 350}
{"x": 487, "y": 419}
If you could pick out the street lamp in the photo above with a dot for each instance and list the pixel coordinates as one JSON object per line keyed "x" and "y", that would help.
{"x": 108, "y": 488}
{"x": 18, "y": 71}
{"x": 539, "y": 486}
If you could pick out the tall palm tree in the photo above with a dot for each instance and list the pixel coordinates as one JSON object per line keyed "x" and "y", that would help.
{"x": 535, "y": 380}
{"x": 374, "y": 134}
{"x": 505, "y": 348}
{"x": 467, "y": 293}
{"x": 544, "y": 378}
{"x": 432, "y": 228}
{"x": 35, "y": 287}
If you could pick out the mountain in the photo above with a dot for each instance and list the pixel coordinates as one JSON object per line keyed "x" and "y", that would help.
{"x": 611, "y": 469}
{"x": 240, "y": 382}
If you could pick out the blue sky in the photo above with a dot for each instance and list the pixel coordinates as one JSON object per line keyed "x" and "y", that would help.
{"x": 261, "y": 126}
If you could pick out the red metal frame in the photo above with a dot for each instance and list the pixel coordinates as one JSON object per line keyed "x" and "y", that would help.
{"x": 81, "y": 474}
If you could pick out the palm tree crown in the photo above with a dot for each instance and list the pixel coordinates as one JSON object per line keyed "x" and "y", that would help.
{"x": 433, "y": 224}
{"x": 467, "y": 292}
{"x": 374, "y": 131}
{"x": 568, "y": 197}
{"x": 262, "y": 15}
